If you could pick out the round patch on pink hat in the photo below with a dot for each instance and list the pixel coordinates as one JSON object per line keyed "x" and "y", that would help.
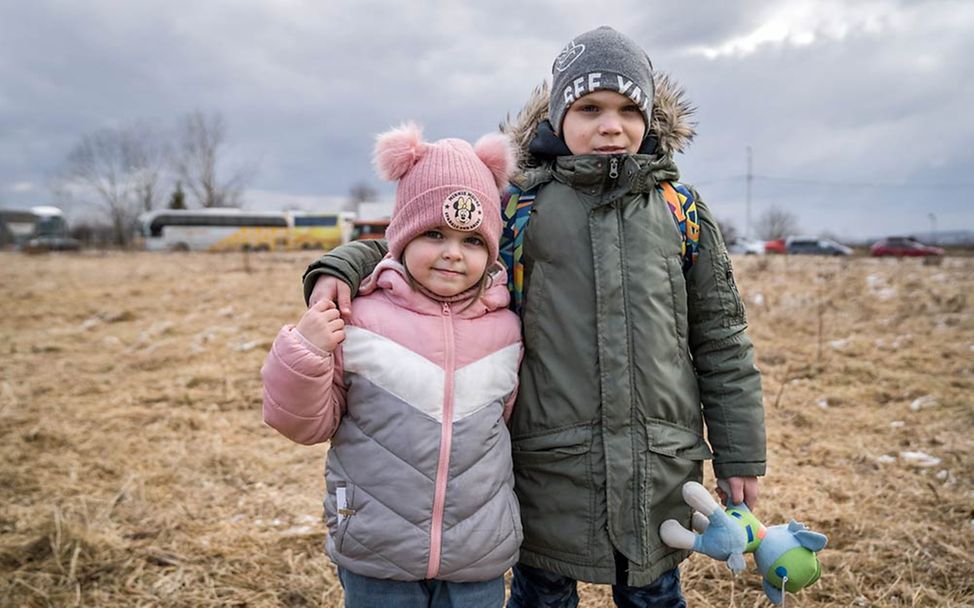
{"x": 462, "y": 211}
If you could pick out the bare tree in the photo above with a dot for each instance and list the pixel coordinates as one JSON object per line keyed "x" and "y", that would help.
{"x": 119, "y": 171}
{"x": 360, "y": 192}
{"x": 202, "y": 140}
{"x": 728, "y": 230}
{"x": 177, "y": 200}
{"x": 776, "y": 223}
{"x": 147, "y": 156}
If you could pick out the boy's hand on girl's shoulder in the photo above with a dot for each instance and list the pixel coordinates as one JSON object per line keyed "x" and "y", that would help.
{"x": 322, "y": 325}
{"x": 332, "y": 289}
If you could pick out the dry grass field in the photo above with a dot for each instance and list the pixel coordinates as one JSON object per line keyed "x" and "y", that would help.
{"x": 136, "y": 470}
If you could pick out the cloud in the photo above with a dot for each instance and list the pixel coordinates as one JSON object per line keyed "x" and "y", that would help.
{"x": 867, "y": 92}
{"x": 802, "y": 23}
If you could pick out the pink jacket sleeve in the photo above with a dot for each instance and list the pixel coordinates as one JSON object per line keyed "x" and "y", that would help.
{"x": 304, "y": 397}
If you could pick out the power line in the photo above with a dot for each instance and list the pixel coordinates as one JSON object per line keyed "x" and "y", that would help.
{"x": 854, "y": 184}
{"x": 839, "y": 183}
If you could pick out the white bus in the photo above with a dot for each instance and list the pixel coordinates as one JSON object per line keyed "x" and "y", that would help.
{"x": 231, "y": 229}
{"x": 39, "y": 228}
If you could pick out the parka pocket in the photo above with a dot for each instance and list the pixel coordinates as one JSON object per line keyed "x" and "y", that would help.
{"x": 678, "y": 287}
{"x": 534, "y": 304}
{"x": 553, "y": 483}
{"x": 730, "y": 298}
{"x": 674, "y": 456}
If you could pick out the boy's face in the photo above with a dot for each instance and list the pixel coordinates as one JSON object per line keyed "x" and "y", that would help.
{"x": 603, "y": 122}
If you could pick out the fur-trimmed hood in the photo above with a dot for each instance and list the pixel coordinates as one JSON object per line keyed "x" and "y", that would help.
{"x": 671, "y": 124}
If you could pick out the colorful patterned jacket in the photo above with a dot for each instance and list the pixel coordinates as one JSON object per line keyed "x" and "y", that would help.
{"x": 415, "y": 402}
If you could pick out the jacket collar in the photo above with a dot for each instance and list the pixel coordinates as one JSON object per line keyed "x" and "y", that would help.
{"x": 390, "y": 277}
{"x": 596, "y": 175}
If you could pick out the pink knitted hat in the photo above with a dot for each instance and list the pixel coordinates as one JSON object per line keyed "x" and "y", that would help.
{"x": 443, "y": 183}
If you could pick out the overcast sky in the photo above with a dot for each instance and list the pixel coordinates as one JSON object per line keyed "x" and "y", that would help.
{"x": 859, "y": 114}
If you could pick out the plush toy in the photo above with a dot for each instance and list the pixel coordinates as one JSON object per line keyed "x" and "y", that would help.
{"x": 785, "y": 554}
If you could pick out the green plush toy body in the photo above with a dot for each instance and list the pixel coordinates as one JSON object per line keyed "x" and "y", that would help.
{"x": 785, "y": 554}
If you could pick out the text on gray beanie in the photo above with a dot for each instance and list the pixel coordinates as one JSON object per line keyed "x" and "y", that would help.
{"x": 600, "y": 59}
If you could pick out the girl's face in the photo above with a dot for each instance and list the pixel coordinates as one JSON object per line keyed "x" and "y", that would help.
{"x": 604, "y": 122}
{"x": 446, "y": 261}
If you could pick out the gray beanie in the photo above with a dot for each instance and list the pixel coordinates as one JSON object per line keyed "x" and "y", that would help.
{"x": 600, "y": 59}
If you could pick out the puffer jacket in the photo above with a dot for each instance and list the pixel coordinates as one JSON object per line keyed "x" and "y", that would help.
{"x": 626, "y": 357}
{"x": 415, "y": 403}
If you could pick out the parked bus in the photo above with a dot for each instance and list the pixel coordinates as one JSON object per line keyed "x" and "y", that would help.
{"x": 40, "y": 228}
{"x": 316, "y": 230}
{"x": 231, "y": 229}
{"x": 364, "y": 230}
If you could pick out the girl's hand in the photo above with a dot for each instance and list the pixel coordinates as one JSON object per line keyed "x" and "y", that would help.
{"x": 322, "y": 325}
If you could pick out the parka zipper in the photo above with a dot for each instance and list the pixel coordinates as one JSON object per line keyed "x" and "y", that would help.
{"x": 614, "y": 167}
{"x": 446, "y": 439}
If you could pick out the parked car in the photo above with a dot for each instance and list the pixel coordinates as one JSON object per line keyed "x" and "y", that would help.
{"x": 746, "y": 247}
{"x": 775, "y": 246}
{"x": 901, "y": 246}
{"x": 804, "y": 245}
{"x": 43, "y": 244}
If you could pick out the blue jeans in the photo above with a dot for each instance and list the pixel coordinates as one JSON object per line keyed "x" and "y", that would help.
{"x": 536, "y": 588}
{"x": 367, "y": 592}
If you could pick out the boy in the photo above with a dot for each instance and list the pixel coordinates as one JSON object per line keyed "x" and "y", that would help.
{"x": 631, "y": 339}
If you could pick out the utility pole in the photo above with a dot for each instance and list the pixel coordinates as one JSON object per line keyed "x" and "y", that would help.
{"x": 750, "y": 177}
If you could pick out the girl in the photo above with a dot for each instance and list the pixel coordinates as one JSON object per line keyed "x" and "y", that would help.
{"x": 414, "y": 389}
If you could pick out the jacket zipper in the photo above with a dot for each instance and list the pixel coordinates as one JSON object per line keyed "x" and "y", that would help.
{"x": 614, "y": 167}
{"x": 446, "y": 439}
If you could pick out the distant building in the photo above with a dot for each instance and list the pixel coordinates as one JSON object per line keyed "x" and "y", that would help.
{"x": 42, "y": 225}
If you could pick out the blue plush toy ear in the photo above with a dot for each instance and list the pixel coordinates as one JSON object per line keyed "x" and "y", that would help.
{"x": 813, "y": 541}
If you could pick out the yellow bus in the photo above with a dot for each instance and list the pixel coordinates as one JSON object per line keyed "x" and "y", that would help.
{"x": 231, "y": 229}
{"x": 319, "y": 230}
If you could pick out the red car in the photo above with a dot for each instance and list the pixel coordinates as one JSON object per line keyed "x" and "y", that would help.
{"x": 900, "y": 246}
{"x": 775, "y": 246}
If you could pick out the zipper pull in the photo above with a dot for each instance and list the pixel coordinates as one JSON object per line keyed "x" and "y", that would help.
{"x": 446, "y": 309}
{"x": 614, "y": 167}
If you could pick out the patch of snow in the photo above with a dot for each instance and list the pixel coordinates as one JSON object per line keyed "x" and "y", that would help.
{"x": 897, "y": 424}
{"x": 225, "y": 312}
{"x": 297, "y": 531}
{"x": 885, "y": 295}
{"x": 247, "y": 346}
{"x": 758, "y": 300}
{"x": 823, "y": 403}
{"x": 839, "y": 344}
{"x": 886, "y": 459}
{"x": 920, "y": 459}
{"x": 875, "y": 281}
{"x": 923, "y": 402}
{"x": 111, "y": 341}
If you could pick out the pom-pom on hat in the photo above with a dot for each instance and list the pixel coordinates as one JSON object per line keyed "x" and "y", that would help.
{"x": 443, "y": 183}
